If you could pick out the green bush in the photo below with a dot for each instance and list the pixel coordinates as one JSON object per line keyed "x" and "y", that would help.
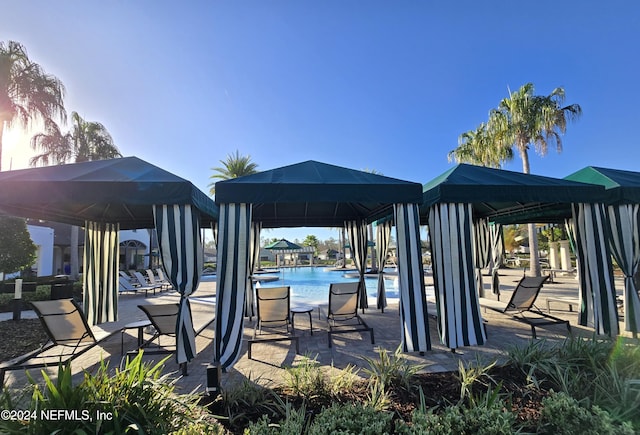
{"x": 391, "y": 370}
{"x": 602, "y": 372}
{"x": 490, "y": 418}
{"x": 562, "y": 414}
{"x": 248, "y": 399}
{"x": 347, "y": 419}
{"x": 306, "y": 379}
{"x": 292, "y": 424}
{"x": 136, "y": 399}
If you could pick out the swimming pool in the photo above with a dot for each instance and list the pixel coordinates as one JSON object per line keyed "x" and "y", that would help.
{"x": 310, "y": 285}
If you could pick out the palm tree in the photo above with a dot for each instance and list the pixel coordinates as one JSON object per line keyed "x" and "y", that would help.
{"x": 524, "y": 119}
{"x": 477, "y": 147}
{"x": 86, "y": 141}
{"x": 233, "y": 167}
{"x": 27, "y": 93}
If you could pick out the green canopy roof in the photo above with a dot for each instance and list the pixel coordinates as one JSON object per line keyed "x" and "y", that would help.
{"x": 119, "y": 190}
{"x": 283, "y": 245}
{"x": 622, "y": 187}
{"x": 506, "y": 196}
{"x": 316, "y": 194}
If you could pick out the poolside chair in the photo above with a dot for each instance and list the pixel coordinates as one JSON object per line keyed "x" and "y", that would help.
{"x": 523, "y": 301}
{"x": 163, "y": 317}
{"x": 67, "y": 328}
{"x": 126, "y": 276}
{"x": 273, "y": 312}
{"x": 126, "y": 287}
{"x": 156, "y": 281}
{"x": 162, "y": 278}
{"x": 343, "y": 307}
{"x": 143, "y": 283}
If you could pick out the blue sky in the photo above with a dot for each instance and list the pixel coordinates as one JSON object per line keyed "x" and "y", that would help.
{"x": 366, "y": 85}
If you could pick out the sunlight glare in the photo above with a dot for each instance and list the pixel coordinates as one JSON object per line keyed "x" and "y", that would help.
{"x": 16, "y": 150}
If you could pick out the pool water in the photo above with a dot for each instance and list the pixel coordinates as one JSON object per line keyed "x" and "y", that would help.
{"x": 310, "y": 285}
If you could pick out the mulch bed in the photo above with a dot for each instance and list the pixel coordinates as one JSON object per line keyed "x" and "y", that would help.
{"x": 20, "y": 337}
{"x": 440, "y": 390}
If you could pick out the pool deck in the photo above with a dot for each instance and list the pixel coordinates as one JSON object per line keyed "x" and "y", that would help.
{"x": 270, "y": 359}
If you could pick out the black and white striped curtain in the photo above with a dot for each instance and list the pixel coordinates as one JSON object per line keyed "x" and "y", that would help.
{"x": 178, "y": 228}
{"x": 624, "y": 222}
{"x": 595, "y": 272}
{"x": 457, "y": 299}
{"x": 495, "y": 229}
{"x": 414, "y": 322}
{"x": 357, "y": 231}
{"x": 100, "y": 277}
{"x": 383, "y": 237}
{"x": 482, "y": 250}
{"x": 234, "y": 240}
{"x": 254, "y": 259}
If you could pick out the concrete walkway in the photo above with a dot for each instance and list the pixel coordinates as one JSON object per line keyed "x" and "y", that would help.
{"x": 270, "y": 359}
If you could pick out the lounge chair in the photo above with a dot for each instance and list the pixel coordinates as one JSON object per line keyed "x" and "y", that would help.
{"x": 142, "y": 282}
{"x": 126, "y": 287}
{"x": 126, "y": 276}
{"x": 153, "y": 281}
{"x": 162, "y": 278}
{"x": 163, "y": 317}
{"x": 67, "y": 327}
{"x": 523, "y": 301}
{"x": 343, "y": 307}
{"x": 273, "y": 306}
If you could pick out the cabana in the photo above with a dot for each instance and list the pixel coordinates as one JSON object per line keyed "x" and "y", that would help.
{"x": 462, "y": 203}
{"x": 105, "y": 196}
{"x": 313, "y": 194}
{"x": 623, "y": 213}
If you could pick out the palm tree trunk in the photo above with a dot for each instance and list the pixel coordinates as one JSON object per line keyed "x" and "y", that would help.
{"x": 534, "y": 255}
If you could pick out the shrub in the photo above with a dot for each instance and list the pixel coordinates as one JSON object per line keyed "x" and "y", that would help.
{"x": 292, "y": 424}
{"x": 135, "y": 399}
{"x": 562, "y": 414}
{"x": 391, "y": 369}
{"x": 306, "y": 379}
{"x": 489, "y": 417}
{"x": 351, "y": 419}
{"x": 247, "y": 401}
{"x": 602, "y": 372}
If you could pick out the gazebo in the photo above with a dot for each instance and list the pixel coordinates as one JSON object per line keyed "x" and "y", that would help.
{"x": 623, "y": 213}
{"x": 105, "y": 196}
{"x": 465, "y": 203}
{"x": 313, "y": 194}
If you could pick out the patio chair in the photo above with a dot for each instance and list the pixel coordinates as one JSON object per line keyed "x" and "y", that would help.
{"x": 343, "y": 307}
{"x": 126, "y": 276}
{"x": 273, "y": 306}
{"x": 163, "y": 285}
{"x": 162, "y": 278}
{"x": 67, "y": 327}
{"x": 125, "y": 286}
{"x": 163, "y": 317}
{"x": 523, "y": 301}
{"x": 142, "y": 282}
